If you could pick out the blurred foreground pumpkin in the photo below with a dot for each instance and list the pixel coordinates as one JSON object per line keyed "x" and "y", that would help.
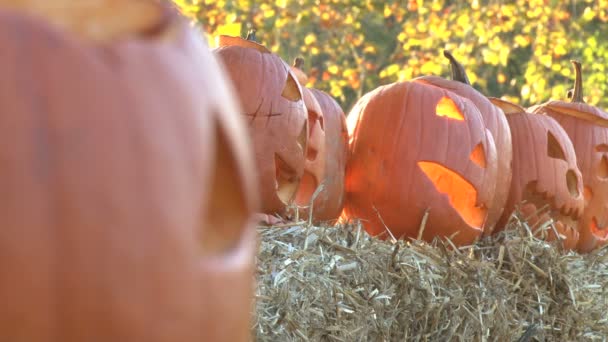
{"x": 273, "y": 107}
{"x": 587, "y": 127}
{"x": 326, "y": 153}
{"x": 545, "y": 175}
{"x": 417, "y": 148}
{"x": 127, "y": 185}
{"x": 495, "y": 121}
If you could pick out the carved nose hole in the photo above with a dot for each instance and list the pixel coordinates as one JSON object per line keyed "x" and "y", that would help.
{"x": 313, "y": 119}
{"x": 602, "y": 172}
{"x": 478, "y": 156}
{"x": 302, "y": 139}
{"x": 226, "y": 213}
{"x": 572, "y": 183}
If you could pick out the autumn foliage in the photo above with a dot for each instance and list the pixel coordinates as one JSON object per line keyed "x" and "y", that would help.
{"x": 518, "y": 50}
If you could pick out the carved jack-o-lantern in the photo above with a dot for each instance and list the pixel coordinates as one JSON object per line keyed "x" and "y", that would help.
{"x": 419, "y": 150}
{"x": 271, "y": 99}
{"x": 126, "y": 187}
{"x": 545, "y": 175}
{"x": 314, "y": 167}
{"x": 587, "y": 127}
{"x": 495, "y": 121}
{"x": 326, "y": 153}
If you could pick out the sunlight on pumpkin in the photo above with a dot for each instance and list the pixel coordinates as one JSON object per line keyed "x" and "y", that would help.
{"x": 447, "y": 108}
{"x": 588, "y": 194}
{"x": 478, "y": 156}
{"x": 600, "y": 233}
{"x": 461, "y": 194}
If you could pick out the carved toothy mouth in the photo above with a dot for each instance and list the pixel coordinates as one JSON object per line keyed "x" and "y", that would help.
{"x": 540, "y": 207}
{"x": 461, "y": 194}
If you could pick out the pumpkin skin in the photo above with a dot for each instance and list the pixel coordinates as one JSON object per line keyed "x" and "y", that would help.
{"x": 495, "y": 121}
{"x": 587, "y": 127}
{"x": 326, "y": 154}
{"x": 415, "y": 147}
{"x": 274, "y": 110}
{"x": 127, "y": 194}
{"x": 544, "y": 174}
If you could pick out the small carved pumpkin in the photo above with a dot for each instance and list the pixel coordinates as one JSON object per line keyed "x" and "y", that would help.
{"x": 127, "y": 190}
{"x": 326, "y": 154}
{"x": 545, "y": 174}
{"x": 495, "y": 121}
{"x": 587, "y": 127}
{"x": 415, "y": 148}
{"x": 274, "y": 109}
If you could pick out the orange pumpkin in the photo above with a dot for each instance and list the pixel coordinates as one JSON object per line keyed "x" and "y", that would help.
{"x": 495, "y": 121}
{"x": 415, "y": 149}
{"x": 127, "y": 185}
{"x": 587, "y": 127}
{"x": 274, "y": 109}
{"x": 326, "y": 153}
{"x": 545, "y": 175}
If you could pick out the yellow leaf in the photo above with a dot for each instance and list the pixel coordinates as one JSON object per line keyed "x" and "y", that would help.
{"x": 233, "y": 29}
{"x": 310, "y": 39}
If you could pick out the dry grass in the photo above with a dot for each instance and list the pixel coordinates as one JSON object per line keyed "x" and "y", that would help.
{"x": 338, "y": 284}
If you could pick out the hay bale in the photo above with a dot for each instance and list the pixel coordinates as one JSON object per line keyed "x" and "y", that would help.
{"x": 339, "y": 284}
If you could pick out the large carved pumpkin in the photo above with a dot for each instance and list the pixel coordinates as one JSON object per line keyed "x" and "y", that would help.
{"x": 326, "y": 154}
{"x": 587, "y": 127}
{"x": 415, "y": 149}
{"x": 273, "y": 107}
{"x": 547, "y": 184}
{"x": 495, "y": 121}
{"x": 127, "y": 190}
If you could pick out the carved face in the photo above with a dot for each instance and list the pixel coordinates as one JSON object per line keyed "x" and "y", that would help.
{"x": 494, "y": 120}
{"x": 416, "y": 147}
{"x": 587, "y": 127}
{"x": 271, "y": 101}
{"x": 545, "y": 174}
{"x": 314, "y": 167}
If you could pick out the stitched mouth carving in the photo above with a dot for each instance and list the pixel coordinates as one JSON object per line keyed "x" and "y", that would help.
{"x": 461, "y": 194}
{"x": 539, "y": 208}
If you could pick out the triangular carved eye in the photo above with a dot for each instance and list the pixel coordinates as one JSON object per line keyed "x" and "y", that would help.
{"x": 554, "y": 149}
{"x": 478, "y": 156}
{"x": 447, "y": 108}
{"x": 291, "y": 90}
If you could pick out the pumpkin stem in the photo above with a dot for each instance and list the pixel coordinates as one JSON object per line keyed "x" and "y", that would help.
{"x": 298, "y": 62}
{"x": 577, "y": 92}
{"x": 458, "y": 72}
{"x": 251, "y": 36}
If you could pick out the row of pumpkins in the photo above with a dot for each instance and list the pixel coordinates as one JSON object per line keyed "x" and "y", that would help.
{"x": 129, "y": 184}
{"x": 426, "y": 158}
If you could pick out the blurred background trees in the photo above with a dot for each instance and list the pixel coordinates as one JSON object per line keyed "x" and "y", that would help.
{"x": 519, "y": 50}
